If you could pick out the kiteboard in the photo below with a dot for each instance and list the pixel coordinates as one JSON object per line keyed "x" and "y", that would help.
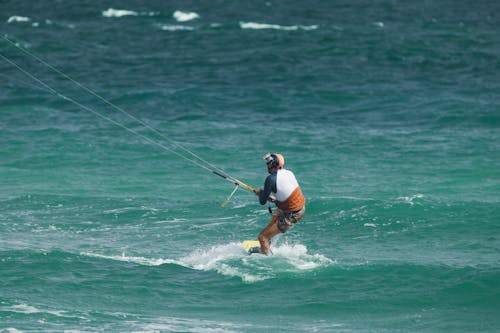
{"x": 250, "y": 244}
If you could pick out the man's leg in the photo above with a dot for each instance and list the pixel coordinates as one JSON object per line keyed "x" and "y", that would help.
{"x": 269, "y": 232}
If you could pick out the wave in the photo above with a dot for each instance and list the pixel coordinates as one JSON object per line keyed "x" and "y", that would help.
{"x": 138, "y": 322}
{"x": 409, "y": 199}
{"x": 231, "y": 260}
{"x": 259, "y": 26}
{"x": 180, "y": 324}
{"x": 16, "y": 18}
{"x": 173, "y": 27}
{"x": 12, "y": 330}
{"x": 111, "y": 12}
{"x": 185, "y": 16}
{"x": 132, "y": 259}
{"x": 28, "y": 309}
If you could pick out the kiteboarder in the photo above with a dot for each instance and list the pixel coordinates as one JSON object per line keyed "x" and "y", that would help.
{"x": 281, "y": 188}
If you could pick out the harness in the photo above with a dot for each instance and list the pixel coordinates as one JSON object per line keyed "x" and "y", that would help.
{"x": 288, "y": 219}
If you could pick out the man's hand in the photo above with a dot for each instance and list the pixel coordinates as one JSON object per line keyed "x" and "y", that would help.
{"x": 257, "y": 191}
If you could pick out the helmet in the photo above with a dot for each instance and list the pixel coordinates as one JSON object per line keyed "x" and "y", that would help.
{"x": 274, "y": 160}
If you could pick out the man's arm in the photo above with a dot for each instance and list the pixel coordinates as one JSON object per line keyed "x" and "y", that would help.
{"x": 269, "y": 186}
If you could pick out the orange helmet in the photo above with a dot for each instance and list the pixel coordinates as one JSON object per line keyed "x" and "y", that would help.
{"x": 274, "y": 160}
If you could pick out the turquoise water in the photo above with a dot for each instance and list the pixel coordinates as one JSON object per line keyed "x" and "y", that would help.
{"x": 387, "y": 112}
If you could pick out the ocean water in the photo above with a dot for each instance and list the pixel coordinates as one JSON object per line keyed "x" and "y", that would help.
{"x": 387, "y": 111}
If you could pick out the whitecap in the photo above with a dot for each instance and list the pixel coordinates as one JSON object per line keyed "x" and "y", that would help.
{"x": 181, "y": 16}
{"x": 169, "y": 27}
{"x": 259, "y": 26}
{"x": 231, "y": 260}
{"x": 202, "y": 259}
{"x": 410, "y": 199}
{"x": 218, "y": 258}
{"x": 13, "y": 330}
{"x": 28, "y": 309}
{"x": 207, "y": 259}
{"x": 178, "y": 324}
{"x": 135, "y": 260}
{"x": 298, "y": 257}
{"x": 111, "y": 12}
{"x": 16, "y": 18}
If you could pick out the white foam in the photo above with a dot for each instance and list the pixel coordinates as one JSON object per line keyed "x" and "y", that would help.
{"x": 16, "y": 18}
{"x": 203, "y": 259}
{"x": 169, "y": 27}
{"x": 297, "y": 256}
{"x": 135, "y": 260}
{"x": 259, "y": 26}
{"x": 410, "y": 199}
{"x": 23, "y": 308}
{"x": 111, "y": 12}
{"x": 28, "y": 309}
{"x": 225, "y": 259}
{"x": 231, "y": 260}
{"x": 13, "y": 330}
{"x": 185, "y": 16}
{"x": 254, "y": 268}
{"x": 176, "y": 324}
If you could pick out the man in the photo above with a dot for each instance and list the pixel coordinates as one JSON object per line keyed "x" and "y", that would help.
{"x": 282, "y": 188}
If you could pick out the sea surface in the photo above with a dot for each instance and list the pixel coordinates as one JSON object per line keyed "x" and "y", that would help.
{"x": 113, "y": 115}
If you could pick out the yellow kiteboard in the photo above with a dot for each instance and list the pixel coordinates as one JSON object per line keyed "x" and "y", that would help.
{"x": 249, "y": 244}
